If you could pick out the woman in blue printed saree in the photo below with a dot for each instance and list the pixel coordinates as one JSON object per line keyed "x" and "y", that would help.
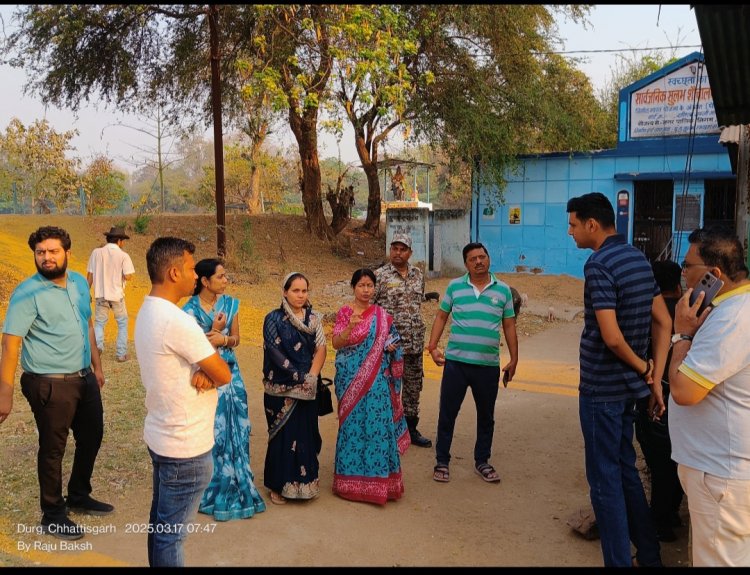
{"x": 231, "y": 493}
{"x": 294, "y": 350}
{"x": 372, "y": 430}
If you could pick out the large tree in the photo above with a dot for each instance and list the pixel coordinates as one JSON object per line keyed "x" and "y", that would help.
{"x": 476, "y": 80}
{"x": 295, "y": 59}
{"x": 34, "y": 159}
{"x": 495, "y": 82}
{"x": 375, "y": 85}
{"x": 137, "y": 57}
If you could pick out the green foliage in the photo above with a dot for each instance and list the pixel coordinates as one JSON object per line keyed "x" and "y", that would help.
{"x": 103, "y": 186}
{"x": 477, "y": 80}
{"x": 290, "y": 209}
{"x": 140, "y": 225}
{"x": 249, "y": 175}
{"x": 494, "y": 85}
{"x": 34, "y": 158}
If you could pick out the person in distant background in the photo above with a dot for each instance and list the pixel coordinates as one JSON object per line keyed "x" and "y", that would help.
{"x": 653, "y": 433}
{"x": 108, "y": 269}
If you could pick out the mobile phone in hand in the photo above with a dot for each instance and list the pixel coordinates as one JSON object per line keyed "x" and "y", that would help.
{"x": 710, "y": 285}
{"x": 392, "y": 340}
{"x": 506, "y": 378}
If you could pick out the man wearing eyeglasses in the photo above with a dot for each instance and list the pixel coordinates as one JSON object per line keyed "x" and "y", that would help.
{"x": 623, "y": 307}
{"x": 709, "y": 405}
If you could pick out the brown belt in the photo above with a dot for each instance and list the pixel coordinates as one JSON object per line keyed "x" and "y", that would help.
{"x": 80, "y": 374}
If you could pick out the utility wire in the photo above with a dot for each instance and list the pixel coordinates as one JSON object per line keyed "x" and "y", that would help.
{"x": 618, "y": 50}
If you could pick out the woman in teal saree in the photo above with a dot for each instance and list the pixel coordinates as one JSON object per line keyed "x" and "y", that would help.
{"x": 231, "y": 494}
{"x": 372, "y": 430}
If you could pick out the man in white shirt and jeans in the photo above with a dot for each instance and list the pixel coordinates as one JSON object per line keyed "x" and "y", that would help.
{"x": 180, "y": 370}
{"x": 108, "y": 269}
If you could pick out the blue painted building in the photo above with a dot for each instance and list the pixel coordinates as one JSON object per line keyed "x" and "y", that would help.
{"x": 667, "y": 176}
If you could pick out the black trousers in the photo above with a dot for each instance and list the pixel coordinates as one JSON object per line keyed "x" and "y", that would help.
{"x": 59, "y": 406}
{"x": 666, "y": 490}
{"x": 457, "y": 378}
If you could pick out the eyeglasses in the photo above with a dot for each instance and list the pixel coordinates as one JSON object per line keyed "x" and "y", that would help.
{"x": 686, "y": 265}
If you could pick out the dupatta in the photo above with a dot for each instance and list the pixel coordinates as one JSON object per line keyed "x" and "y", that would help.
{"x": 368, "y": 339}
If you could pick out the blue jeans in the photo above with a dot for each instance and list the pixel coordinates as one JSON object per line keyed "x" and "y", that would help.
{"x": 101, "y": 316}
{"x": 617, "y": 496}
{"x": 178, "y": 487}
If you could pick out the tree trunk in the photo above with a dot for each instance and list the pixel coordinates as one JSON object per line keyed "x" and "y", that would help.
{"x": 341, "y": 202}
{"x": 372, "y": 223}
{"x": 253, "y": 198}
{"x": 305, "y": 131}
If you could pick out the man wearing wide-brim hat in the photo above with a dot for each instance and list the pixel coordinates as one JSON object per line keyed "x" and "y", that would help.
{"x": 108, "y": 269}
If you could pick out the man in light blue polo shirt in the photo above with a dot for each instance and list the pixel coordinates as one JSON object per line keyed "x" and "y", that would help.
{"x": 480, "y": 305}
{"x": 50, "y": 314}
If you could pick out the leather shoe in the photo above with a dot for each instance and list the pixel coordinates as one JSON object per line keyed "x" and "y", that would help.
{"x": 419, "y": 440}
{"x": 62, "y": 529}
{"x": 89, "y": 506}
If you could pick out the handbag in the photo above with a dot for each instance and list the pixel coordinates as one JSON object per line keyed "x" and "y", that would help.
{"x": 324, "y": 397}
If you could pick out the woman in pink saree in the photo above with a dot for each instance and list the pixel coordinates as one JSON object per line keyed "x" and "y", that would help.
{"x": 372, "y": 430}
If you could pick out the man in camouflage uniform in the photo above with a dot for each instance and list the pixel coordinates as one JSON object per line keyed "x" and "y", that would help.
{"x": 400, "y": 291}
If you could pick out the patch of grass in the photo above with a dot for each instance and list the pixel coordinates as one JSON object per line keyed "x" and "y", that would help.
{"x": 290, "y": 209}
{"x": 122, "y": 465}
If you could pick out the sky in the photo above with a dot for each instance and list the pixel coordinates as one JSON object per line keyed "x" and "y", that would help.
{"x": 612, "y": 28}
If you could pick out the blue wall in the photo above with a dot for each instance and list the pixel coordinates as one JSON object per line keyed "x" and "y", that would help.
{"x": 542, "y": 189}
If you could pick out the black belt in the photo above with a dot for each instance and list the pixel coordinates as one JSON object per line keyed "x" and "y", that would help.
{"x": 80, "y": 374}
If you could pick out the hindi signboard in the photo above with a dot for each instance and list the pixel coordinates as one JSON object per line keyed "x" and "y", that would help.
{"x": 678, "y": 104}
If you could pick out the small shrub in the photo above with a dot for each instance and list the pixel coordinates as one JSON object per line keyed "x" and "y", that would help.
{"x": 141, "y": 224}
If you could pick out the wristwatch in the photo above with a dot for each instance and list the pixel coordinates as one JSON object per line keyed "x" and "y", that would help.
{"x": 680, "y": 336}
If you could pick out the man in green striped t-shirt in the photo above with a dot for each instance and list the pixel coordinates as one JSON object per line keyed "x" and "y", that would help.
{"x": 480, "y": 305}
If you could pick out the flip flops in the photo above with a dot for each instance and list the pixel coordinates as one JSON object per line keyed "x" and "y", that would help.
{"x": 487, "y": 472}
{"x": 441, "y": 473}
{"x": 277, "y": 498}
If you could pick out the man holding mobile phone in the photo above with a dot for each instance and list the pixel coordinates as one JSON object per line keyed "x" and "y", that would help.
{"x": 709, "y": 405}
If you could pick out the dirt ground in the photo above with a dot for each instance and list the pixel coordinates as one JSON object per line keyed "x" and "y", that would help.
{"x": 537, "y": 449}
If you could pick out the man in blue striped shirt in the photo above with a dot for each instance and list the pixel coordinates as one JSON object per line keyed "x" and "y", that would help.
{"x": 480, "y": 305}
{"x": 623, "y": 306}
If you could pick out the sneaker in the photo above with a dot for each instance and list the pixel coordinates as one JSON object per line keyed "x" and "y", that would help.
{"x": 122, "y": 358}
{"x": 62, "y": 529}
{"x": 89, "y": 506}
